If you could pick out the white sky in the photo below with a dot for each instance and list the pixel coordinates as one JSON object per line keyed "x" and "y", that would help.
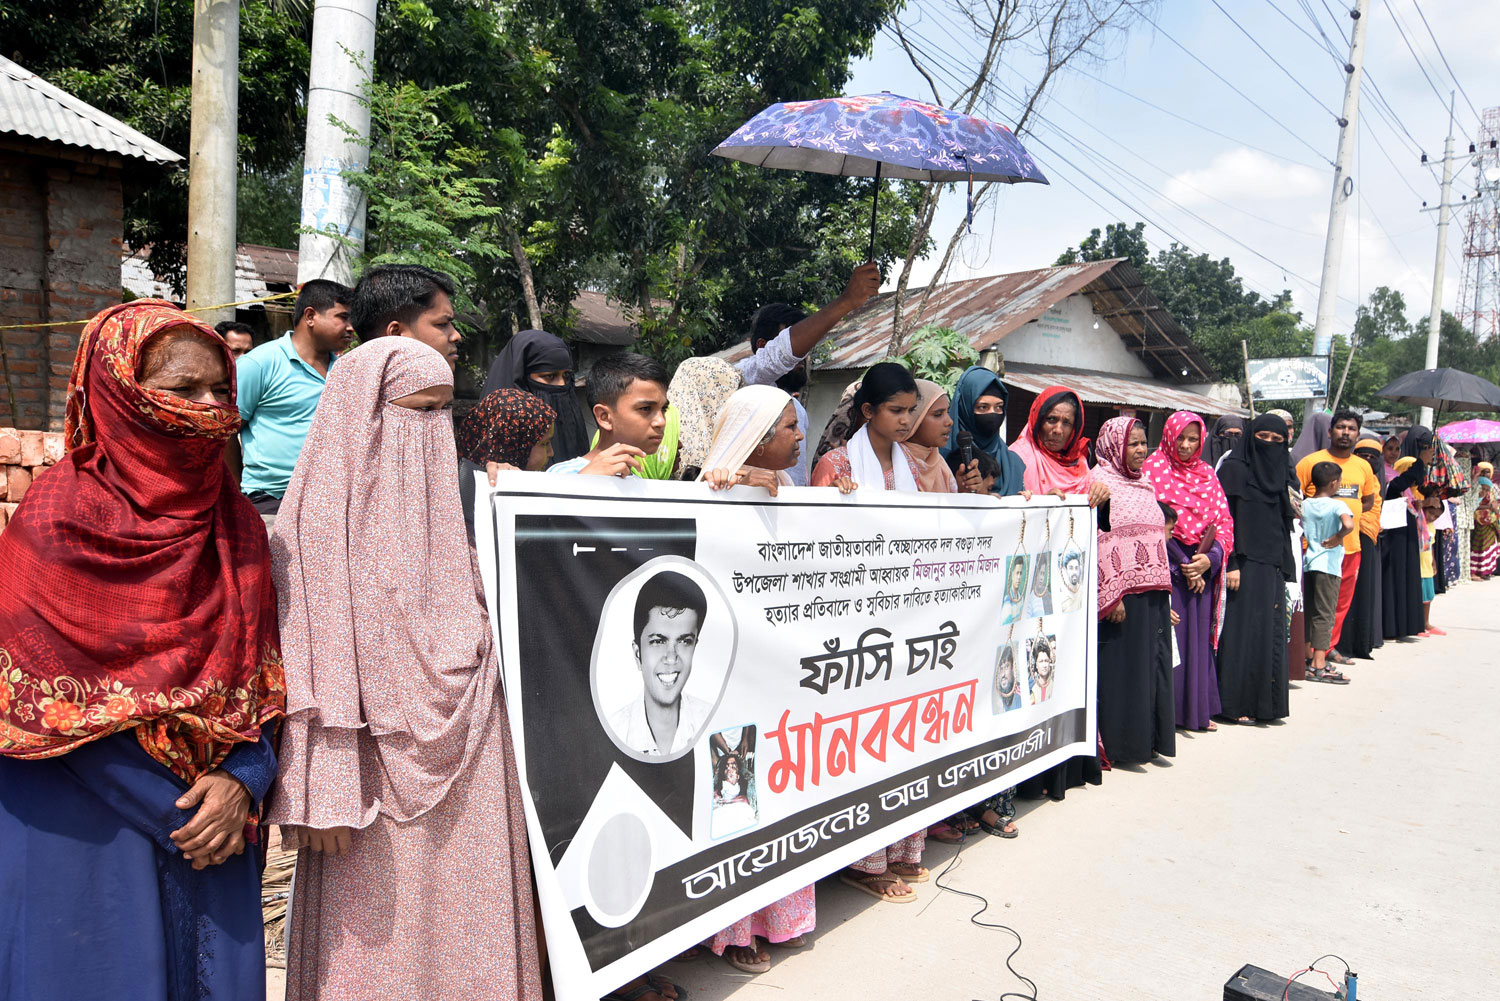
{"x": 1274, "y": 205}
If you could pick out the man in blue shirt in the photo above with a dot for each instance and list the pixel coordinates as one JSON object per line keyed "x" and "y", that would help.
{"x": 278, "y": 386}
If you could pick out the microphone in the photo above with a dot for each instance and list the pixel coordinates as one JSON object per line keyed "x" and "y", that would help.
{"x": 966, "y": 446}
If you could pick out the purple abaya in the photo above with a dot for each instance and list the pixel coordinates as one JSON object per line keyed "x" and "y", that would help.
{"x": 1195, "y": 680}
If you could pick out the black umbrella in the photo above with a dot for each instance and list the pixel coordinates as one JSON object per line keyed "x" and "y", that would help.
{"x": 1444, "y": 389}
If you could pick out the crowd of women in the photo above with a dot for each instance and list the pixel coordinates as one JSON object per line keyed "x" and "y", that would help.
{"x": 173, "y": 680}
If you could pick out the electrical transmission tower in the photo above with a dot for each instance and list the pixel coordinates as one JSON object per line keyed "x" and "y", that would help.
{"x": 1478, "y": 306}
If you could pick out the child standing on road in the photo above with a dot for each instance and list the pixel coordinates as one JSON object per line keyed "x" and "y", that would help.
{"x": 1325, "y": 522}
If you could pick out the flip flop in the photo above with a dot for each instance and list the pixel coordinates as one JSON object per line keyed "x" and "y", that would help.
{"x": 759, "y": 966}
{"x": 922, "y": 875}
{"x": 863, "y": 886}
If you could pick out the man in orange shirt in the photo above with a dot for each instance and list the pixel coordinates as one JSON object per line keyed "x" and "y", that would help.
{"x": 1359, "y": 489}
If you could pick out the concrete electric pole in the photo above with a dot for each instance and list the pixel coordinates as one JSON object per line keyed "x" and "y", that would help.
{"x": 1343, "y": 190}
{"x": 213, "y": 169}
{"x": 1435, "y": 317}
{"x": 343, "y": 53}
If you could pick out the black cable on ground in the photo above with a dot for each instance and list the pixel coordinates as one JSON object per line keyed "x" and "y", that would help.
{"x": 937, "y": 880}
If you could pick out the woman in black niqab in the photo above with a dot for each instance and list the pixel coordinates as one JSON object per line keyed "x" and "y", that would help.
{"x": 531, "y": 353}
{"x": 1253, "y": 666}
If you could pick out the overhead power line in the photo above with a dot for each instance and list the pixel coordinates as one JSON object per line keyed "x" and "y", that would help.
{"x": 1256, "y": 42}
{"x": 1198, "y": 125}
{"x": 1444, "y": 58}
{"x": 1401, "y": 30}
{"x": 1322, "y": 43}
{"x": 1248, "y": 99}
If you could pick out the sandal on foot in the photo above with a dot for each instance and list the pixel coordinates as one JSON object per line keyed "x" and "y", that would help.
{"x": 1327, "y": 677}
{"x": 1435, "y": 631}
{"x": 660, "y": 984}
{"x": 648, "y": 984}
{"x": 866, "y": 882}
{"x": 945, "y": 833}
{"x": 999, "y": 830}
{"x": 758, "y": 966}
{"x": 964, "y": 822}
{"x": 795, "y": 942}
{"x": 910, "y": 872}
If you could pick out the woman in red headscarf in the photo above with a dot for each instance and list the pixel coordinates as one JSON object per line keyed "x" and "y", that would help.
{"x": 139, "y": 668}
{"x": 1054, "y": 449}
{"x": 1203, "y": 534}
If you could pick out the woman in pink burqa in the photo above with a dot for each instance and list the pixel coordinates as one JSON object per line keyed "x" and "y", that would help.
{"x": 396, "y": 780}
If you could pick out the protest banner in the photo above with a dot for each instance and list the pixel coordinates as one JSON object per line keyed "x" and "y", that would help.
{"x": 717, "y": 699}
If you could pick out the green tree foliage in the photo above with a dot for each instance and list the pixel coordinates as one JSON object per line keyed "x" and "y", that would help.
{"x": 424, "y": 202}
{"x": 939, "y": 354}
{"x": 133, "y": 60}
{"x": 597, "y": 119}
{"x": 594, "y": 118}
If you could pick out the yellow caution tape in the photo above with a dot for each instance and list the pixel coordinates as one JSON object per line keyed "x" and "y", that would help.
{"x": 227, "y": 305}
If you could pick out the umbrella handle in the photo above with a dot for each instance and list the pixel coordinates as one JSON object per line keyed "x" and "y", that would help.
{"x": 874, "y": 211}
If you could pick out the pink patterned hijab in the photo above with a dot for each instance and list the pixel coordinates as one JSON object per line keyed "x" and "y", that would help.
{"x": 1190, "y": 487}
{"x": 1133, "y": 553}
{"x": 391, "y": 673}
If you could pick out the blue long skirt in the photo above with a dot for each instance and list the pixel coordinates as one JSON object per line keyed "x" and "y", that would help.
{"x": 98, "y": 902}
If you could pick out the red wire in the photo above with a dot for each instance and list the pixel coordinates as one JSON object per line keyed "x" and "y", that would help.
{"x": 1311, "y": 969}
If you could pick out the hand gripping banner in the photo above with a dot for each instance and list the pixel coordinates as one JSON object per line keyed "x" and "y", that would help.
{"x": 717, "y": 699}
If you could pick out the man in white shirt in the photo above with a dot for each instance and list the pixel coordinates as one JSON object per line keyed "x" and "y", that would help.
{"x": 664, "y": 722}
{"x": 781, "y": 337}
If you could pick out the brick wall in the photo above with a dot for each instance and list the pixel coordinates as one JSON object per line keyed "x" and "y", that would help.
{"x": 61, "y": 224}
{"x": 24, "y": 455}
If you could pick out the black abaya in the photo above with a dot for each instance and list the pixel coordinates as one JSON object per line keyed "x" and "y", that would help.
{"x": 1360, "y": 626}
{"x": 1137, "y": 713}
{"x": 1401, "y": 582}
{"x": 1253, "y": 674}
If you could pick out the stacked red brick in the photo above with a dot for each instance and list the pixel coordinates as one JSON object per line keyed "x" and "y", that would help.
{"x": 24, "y": 455}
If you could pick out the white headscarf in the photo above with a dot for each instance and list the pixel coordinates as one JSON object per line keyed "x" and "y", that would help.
{"x": 864, "y": 467}
{"x": 742, "y": 425}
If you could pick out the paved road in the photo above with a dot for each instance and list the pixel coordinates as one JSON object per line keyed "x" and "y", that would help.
{"x": 1363, "y": 826}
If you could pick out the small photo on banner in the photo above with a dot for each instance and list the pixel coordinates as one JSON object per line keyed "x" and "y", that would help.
{"x": 1039, "y": 594}
{"x": 733, "y": 806}
{"x": 1005, "y": 690}
{"x": 1041, "y": 666}
{"x": 1014, "y": 599}
{"x": 1071, "y": 566}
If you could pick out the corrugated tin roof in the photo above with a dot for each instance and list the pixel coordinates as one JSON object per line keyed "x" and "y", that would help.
{"x": 602, "y": 320}
{"x": 32, "y": 107}
{"x": 987, "y": 309}
{"x": 1115, "y": 390}
{"x": 258, "y": 272}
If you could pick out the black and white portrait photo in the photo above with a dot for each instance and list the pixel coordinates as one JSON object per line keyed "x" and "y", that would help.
{"x": 661, "y": 658}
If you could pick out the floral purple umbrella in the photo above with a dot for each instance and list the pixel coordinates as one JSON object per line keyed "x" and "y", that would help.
{"x": 881, "y": 135}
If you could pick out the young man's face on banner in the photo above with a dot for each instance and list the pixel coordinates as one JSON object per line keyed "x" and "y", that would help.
{"x": 664, "y": 651}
